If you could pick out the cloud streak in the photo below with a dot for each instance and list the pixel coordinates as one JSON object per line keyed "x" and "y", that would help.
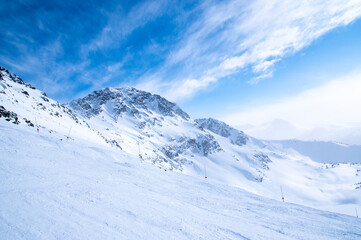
{"x": 70, "y": 50}
{"x": 233, "y": 35}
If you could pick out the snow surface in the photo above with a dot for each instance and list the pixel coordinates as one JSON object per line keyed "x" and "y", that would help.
{"x": 77, "y": 190}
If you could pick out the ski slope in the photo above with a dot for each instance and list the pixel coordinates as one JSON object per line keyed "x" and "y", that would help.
{"x": 77, "y": 189}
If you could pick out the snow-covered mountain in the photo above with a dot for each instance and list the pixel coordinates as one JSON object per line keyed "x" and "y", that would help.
{"x": 147, "y": 127}
{"x": 167, "y": 137}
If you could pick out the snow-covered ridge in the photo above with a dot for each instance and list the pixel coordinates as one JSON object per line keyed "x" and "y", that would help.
{"x": 23, "y": 104}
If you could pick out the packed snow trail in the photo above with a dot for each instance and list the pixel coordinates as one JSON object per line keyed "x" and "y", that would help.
{"x": 52, "y": 189}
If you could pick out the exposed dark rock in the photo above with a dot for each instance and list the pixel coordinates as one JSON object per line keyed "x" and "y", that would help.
{"x": 13, "y": 77}
{"x": 262, "y": 159}
{"x": 44, "y": 98}
{"x": 236, "y": 137}
{"x": 9, "y": 116}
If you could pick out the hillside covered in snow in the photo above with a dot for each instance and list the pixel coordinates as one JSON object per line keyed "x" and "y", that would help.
{"x": 124, "y": 163}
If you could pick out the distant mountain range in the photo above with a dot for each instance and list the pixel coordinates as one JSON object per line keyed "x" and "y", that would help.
{"x": 282, "y": 130}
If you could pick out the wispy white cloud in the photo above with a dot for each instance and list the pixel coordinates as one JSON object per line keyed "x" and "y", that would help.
{"x": 60, "y": 70}
{"x": 188, "y": 87}
{"x": 231, "y": 35}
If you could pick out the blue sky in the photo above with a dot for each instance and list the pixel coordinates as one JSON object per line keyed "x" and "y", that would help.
{"x": 223, "y": 59}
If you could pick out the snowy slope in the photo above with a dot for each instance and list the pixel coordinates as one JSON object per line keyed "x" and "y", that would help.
{"x": 78, "y": 189}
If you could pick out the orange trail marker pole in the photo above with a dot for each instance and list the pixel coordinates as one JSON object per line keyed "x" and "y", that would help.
{"x": 37, "y": 127}
{"x": 68, "y": 134}
{"x": 356, "y": 212}
{"x": 205, "y": 172}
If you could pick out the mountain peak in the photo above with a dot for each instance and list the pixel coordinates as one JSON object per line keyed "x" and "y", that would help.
{"x": 126, "y": 100}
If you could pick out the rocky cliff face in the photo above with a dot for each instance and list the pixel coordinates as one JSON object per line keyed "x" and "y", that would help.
{"x": 128, "y": 101}
{"x": 235, "y": 136}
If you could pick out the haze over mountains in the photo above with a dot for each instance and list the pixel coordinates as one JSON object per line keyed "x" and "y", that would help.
{"x": 280, "y": 130}
{"x": 143, "y": 135}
